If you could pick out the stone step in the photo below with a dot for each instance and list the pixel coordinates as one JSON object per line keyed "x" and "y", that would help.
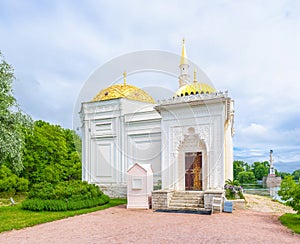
{"x": 188, "y": 197}
{"x": 187, "y": 200}
{"x": 185, "y": 205}
{"x": 200, "y": 208}
{"x": 180, "y": 200}
{"x": 201, "y": 193}
{"x": 183, "y": 194}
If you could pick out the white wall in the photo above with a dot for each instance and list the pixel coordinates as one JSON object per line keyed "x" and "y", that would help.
{"x": 207, "y": 118}
{"x": 116, "y": 134}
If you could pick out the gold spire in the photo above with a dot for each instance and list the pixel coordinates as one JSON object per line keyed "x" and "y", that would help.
{"x": 183, "y": 59}
{"x": 195, "y": 76}
{"x": 124, "y": 77}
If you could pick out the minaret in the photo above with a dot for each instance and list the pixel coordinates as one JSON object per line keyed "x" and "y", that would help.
{"x": 184, "y": 77}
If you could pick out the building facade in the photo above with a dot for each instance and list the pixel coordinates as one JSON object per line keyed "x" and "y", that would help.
{"x": 186, "y": 138}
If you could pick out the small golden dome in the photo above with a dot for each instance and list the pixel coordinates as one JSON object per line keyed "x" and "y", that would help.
{"x": 194, "y": 89}
{"x": 123, "y": 91}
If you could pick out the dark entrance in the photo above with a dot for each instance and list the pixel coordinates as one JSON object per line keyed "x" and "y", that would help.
{"x": 193, "y": 171}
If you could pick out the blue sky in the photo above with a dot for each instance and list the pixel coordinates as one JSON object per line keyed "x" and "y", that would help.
{"x": 250, "y": 48}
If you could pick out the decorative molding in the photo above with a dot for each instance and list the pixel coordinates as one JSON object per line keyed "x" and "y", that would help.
{"x": 191, "y": 98}
{"x": 200, "y": 135}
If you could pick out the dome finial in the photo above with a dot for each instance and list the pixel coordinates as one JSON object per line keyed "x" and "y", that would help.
{"x": 124, "y": 77}
{"x": 195, "y": 76}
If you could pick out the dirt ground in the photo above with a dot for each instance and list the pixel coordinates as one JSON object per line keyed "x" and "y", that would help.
{"x": 257, "y": 224}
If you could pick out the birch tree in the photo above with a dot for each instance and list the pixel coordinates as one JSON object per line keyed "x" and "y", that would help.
{"x": 14, "y": 123}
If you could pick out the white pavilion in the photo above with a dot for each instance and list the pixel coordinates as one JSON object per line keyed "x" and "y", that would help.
{"x": 186, "y": 138}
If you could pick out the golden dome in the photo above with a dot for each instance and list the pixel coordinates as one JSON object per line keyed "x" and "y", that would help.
{"x": 193, "y": 89}
{"x": 123, "y": 91}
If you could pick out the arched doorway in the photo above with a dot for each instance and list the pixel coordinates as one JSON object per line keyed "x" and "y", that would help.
{"x": 193, "y": 171}
{"x": 192, "y": 163}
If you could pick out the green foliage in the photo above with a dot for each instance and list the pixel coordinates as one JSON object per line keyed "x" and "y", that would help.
{"x": 246, "y": 177}
{"x": 66, "y": 195}
{"x": 233, "y": 190}
{"x": 292, "y": 221}
{"x": 296, "y": 174}
{"x": 14, "y": 217}
{"x": 50, "y": 154}
{"x": 238, "y": 166}
{"x": 232, "y": 182}
{"x": 282, "y": 174}
{"x": 75, "y": 190}
{"x": 73, "y": 142}
{"x": 11, "y": 183}
{"x": 36, "y": 204}
{"x": 260, "y": 169}
{"x": 290, "y": 192}
{"x": 14, "y": 123}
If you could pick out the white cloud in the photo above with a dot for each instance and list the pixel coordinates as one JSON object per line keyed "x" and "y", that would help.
{"x": 247, "y": 47}
{"x": 255, "y": 130}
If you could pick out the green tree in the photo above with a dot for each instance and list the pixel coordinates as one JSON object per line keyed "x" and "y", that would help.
{"x": 290, "y": 192}
{"x": 50, "y": 155}
{"x": 296, "y": 174}
{"x": 283, "y": 174}
{"x": 260, "y": 169}
{"x": 247, "y": 167}
{"x": 246, "y": 177}
{"x": 13, "y": 122}
{"x": 238, "y": 166}
{"x": 266, "y": 164}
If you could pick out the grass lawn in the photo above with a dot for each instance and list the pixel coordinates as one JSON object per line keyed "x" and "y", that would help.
{"x": 14, "y": 217}
{"x": 292, "y": 221}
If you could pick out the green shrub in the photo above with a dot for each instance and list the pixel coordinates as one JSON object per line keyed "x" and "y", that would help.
{"x": 67, "y": 195}
{"x": 246, "y": 177}
{"x": 290, "y": 192}
{"x": 36, "y": 204}
{"x": 75, "y": 190}
{"x": 11, "y": 183}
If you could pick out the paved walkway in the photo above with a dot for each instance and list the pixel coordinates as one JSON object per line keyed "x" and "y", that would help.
{"x": 119, "y": 225}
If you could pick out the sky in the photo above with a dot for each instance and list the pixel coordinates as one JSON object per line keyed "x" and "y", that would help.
{"x": 250, "y": 48}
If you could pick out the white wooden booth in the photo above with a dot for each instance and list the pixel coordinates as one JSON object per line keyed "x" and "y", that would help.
{"x": 139, "y": 186}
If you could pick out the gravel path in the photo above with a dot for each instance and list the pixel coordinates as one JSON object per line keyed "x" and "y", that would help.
{"x": 119, "y": 225}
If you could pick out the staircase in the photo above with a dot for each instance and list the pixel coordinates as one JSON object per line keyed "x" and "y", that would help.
{"x": 191, "y": 200}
